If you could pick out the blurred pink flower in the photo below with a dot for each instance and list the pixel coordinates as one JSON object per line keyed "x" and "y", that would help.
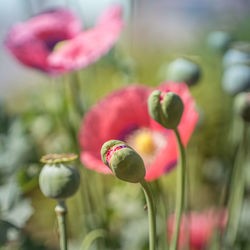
{"x": 54, "y": 43}
{"x": 123, "y": 115}
{"x": 112, "y": 15}
{"x": 32, "y": 41}
{"x": 88, "y": 46}
{"x": 197, "y": 229}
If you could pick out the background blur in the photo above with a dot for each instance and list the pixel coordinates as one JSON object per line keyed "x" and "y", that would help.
{"x": 156, "y": 32}
{"x": 161, "y": 23}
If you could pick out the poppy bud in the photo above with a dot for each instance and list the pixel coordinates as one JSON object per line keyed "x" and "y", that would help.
{"x": 165, "y": 108}
{"x": 124, "y": 162}
{"x": 242, "y": 106}
{"x": 58, "y": 180}
{"x": 183, "y": 70}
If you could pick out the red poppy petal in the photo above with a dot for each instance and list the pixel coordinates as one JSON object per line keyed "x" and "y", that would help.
{"x": 110, "y": 118}
{"x": 124, "y": 111}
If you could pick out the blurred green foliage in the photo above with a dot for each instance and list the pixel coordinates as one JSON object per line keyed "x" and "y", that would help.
{"x": 39, "y": 125}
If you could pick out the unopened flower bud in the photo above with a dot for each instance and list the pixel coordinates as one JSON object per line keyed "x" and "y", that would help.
{"x": 123, "y": 161}
{"x": 242, "y": 106}
{"x": 58, "y": 180}
{"x": 184, "y": 70}
{"x": 165, "y": 108}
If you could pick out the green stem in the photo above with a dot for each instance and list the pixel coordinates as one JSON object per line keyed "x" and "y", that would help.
{"x": 236, "y": 190}
{"x": 61, "y": 211}
{"x": 91, "y": 237}
{"x": 180, "y": 191}
{"x": 151, "y": 214}
{"x": 163, "y": 207}
{"x": 75, "y": 89}
{"x": 70, "y": 117}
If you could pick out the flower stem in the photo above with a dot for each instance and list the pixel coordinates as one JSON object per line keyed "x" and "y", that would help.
{"x": 61, "y": 211}
{"x": 161, "y": 211}
{"x": 236, "y": 190}
{"x": 180, "y": 191}
{"x": 91, "y": 237}
{"x": 151, "y": 214}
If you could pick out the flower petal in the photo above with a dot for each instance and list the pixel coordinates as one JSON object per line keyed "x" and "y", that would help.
{"x": 112, "y": 118}
{"x": 32, "y": 41}
{"x": 124, "y": 111}
{"x": 88, "y": 46}
{"x": 112, "y": 14}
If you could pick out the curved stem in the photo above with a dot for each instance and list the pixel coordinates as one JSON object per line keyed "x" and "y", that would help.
{"x": 61, "y": 211}
{"x": 151, "y": 214}
{"x": 91, "y": 237}
{"x": 180, "y": 191}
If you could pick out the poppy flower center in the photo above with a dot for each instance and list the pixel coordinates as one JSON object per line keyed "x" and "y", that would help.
{"x": 59, "y": 45}
{"x": 148, "y": 143}
{"x": 52, "y": 38}
{"x": 51, "y": 43}
{"x": 144, "y": 143}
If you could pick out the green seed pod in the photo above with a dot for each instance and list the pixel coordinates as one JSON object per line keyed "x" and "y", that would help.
{"x": 236, "y": 79}
{"x": 242, "y": 106}
{"x": 219, "y": 41}
{"x": 124, "y": 162}
{"x": 58, "y": 180}
{"x": 184, "y": 70}
{"x": 165, "y": 110}
{"x": 239, "y": 53}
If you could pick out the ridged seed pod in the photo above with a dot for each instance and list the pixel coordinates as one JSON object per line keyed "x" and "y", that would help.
{"x": 236, "y": 79}
{"x": 57, "y": 179}
{"x": 239, "y": 53}
{"x": 184, "y": 70}
{"x": 219, "y": 41}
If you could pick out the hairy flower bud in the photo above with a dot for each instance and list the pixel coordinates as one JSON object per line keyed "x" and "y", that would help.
{"x": 184, "y": 70}
{"x": 124, "y": 162}
{"x": 165, "y": 108}
{"x": 58, "y": 180}
{"x": 242, "y": 106}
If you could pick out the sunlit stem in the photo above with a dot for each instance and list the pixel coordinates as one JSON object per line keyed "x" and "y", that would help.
{"x": 180, "y": 191}
{"x": 236, "y": 193}
{"x": 75, "y": 88}
{"x": 61, "y": 211}
{"x": 91, "y": 237}
{"x": 151, "y": 214}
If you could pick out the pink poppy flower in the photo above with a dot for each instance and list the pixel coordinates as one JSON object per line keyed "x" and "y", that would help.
{"x": 112, "y": 14}
{"x": 88, "y": 46}
{"x": 197, "y": 229}
{"x": 31, "y": 42}
{"x": 123, "y": 115}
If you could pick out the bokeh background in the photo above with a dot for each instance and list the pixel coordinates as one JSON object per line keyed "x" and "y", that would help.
{"x": 155, "y": 33}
